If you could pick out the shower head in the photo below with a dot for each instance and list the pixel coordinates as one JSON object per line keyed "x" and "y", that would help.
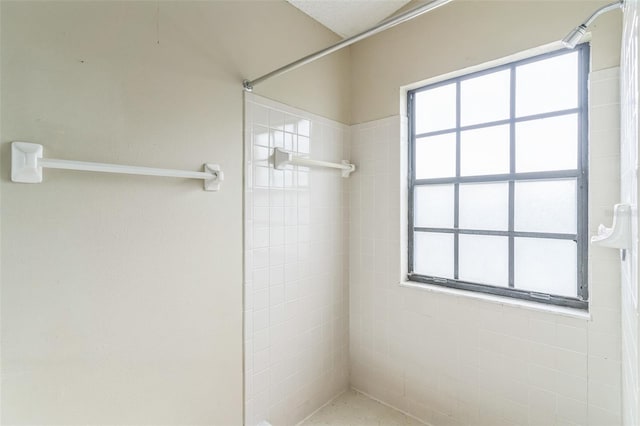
{"x": 573, "y": 38}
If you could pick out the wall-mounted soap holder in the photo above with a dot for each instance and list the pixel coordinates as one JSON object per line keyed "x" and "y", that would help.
{"x": 619, "y": 235}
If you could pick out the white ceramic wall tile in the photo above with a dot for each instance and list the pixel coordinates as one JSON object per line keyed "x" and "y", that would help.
{"x": 630, "y": 108}
{"x": 296, "y": 232}
{"x": 453, "y": 360}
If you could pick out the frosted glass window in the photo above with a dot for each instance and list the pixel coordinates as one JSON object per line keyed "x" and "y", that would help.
{"x": 486, "y": 98}
{"x": 546, "y": 206}
{"x": 434, "y": 206}
{"x": 498, "y": 185}
{"x": 484, "y": 151}
{"x": 484, "y": 259}
{"x": 436, "y": 109}
{"x": 548, "y": 85}
{"x": 436, "y": 156}
{"x": 433, "y": 254}
{"x": 484, "y": 206}
{"x": 548, "y": 144}
{"x": 546, "y": 266}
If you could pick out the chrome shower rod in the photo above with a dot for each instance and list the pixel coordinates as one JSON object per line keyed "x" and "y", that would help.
{"x": 384, "y": 25}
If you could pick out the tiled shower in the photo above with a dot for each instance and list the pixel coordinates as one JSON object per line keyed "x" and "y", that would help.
{"x": 296, "y": 265}
{"x": 446, "y": 358}
{"x": 327, "y": 306}
{"x": 270, "y": 297}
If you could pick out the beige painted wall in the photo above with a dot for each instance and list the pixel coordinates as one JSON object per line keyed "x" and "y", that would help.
{"x": 122, "y": 296}
{"x": 464, "y": 33}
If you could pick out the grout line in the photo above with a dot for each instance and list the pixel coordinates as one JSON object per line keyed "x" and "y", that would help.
{"x": 424, "y": 422}
{"x": 322, "y": 406}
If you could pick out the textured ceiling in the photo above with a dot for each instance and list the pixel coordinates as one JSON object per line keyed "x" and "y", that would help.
{"x": 348, "y": 17}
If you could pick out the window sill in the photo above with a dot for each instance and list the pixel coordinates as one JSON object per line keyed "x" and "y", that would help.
{"x": 500, "y": 300}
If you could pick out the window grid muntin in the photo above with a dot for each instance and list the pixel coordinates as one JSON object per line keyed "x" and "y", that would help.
{"x": 580, "y": 174}
{"x": 504, "y": 177}
{"x": 456, "y": 186}
{"x": 496, "y": 233}
{"x": 524, "y": 118}
{"x": 512, "y": 171}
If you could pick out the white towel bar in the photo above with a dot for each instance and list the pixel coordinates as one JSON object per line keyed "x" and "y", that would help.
{"x": 282, "y": 158}
{"x": 27, "y": 164}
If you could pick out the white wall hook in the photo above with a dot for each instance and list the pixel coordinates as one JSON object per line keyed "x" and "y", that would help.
{"x": 619, "y": 235}
{"x": 283, "y": 158}
{"x": 27, "y": 164}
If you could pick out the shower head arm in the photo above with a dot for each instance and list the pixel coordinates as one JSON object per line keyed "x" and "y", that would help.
{"x": 611, "y": 6}
{"x": 573, "y": 38}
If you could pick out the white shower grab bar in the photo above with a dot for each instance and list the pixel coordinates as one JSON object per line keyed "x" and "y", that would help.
{"x": 27, "y": 164}
{"x": 282, "y": 158}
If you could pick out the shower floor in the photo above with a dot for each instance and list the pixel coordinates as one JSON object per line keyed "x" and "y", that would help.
{"x": 355, "y": 409}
